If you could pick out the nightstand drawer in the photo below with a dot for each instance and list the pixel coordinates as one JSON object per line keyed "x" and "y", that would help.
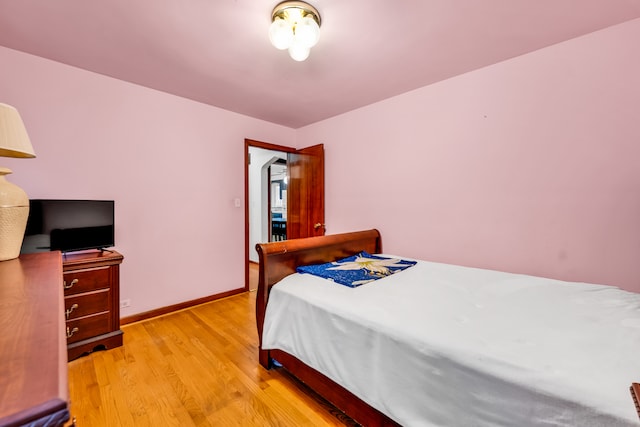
{"x": 85, "y": 304}
{"x": 79, "y": 281}
{"x": 87, "y": 327}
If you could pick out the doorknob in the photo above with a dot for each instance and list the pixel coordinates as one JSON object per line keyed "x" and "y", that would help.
{"x": 318, "y": 225}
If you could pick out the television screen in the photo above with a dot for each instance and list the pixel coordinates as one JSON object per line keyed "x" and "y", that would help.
{"x": 69, "y": 225}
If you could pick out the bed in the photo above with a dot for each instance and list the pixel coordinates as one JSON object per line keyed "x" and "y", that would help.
{"x": 439, "y": 345}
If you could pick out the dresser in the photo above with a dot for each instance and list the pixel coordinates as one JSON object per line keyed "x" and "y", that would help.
{"x": 91, "y": 301}
{"x": 33, "y": 348}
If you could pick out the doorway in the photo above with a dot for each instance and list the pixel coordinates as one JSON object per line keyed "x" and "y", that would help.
{"x": 284, "y": 196}
{"x": 277, "y": 198}
{"x": 266, "y": 197}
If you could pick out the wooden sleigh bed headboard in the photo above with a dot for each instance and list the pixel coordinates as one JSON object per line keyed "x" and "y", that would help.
{"x": 280, "y": 259}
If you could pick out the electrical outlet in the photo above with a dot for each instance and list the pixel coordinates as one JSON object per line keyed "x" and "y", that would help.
{"x": 125, "y": 303}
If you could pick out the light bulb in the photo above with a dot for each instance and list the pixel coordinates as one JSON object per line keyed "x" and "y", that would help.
{"x": 280, "y": 34}
{"x": 298, "y": 51}
{"x": 307, "y": 31}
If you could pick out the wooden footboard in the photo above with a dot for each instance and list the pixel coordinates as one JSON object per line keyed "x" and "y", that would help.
{"x": 280, "y": 259}
{"x": 635, "y": 394}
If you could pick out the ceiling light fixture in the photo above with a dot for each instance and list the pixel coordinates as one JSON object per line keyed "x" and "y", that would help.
{"x": 295, "y": 25}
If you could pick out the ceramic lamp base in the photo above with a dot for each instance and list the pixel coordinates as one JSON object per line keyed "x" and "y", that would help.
{"x": 14, "y": 211}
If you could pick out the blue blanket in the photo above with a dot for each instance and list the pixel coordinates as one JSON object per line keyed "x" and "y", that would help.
{"x": 358, "y": 269}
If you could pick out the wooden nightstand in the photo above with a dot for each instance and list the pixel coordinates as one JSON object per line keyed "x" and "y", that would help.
{"x": 92, "y": 301}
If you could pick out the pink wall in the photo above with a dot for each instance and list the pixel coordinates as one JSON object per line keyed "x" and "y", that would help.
{"x": 173, "y": 167}
{"x": 531, "y": 165}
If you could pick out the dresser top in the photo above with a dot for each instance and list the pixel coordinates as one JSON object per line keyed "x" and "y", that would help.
{"x": 94, "y": 257}
{"x": 33, "y": 351}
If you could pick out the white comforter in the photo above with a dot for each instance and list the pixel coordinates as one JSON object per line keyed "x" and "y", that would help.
{"x": 443, "y": 345}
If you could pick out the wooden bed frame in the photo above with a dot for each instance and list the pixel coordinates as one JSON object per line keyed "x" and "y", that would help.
{"x": 280, "y": 259}
{"x": 635, "y": 394}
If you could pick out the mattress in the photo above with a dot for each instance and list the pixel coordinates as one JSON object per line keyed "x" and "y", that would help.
{"x": 444, "y": 345}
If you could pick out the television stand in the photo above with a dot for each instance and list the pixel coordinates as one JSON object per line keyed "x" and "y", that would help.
{"x": 92, "y": 301}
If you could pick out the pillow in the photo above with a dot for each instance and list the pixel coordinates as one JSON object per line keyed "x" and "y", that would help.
{"x": 358, "y": 269}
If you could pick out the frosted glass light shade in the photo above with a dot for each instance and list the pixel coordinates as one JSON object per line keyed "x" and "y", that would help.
{"x": 307, "y": 31}
{"x": 280, "y": 34}
{"x": 298, "y": 51}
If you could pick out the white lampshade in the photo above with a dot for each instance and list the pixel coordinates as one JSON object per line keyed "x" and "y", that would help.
{"x": 14, "y": 141}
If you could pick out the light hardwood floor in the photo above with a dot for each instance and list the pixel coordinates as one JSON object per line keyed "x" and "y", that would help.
{"x": 195, "y": 367}
{"x": 253, "y": 276}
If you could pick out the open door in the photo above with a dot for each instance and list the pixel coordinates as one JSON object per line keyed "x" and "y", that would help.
{"x": 306, "y": 192}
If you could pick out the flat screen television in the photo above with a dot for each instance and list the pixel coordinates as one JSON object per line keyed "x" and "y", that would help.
{"x": 69, "y": 225}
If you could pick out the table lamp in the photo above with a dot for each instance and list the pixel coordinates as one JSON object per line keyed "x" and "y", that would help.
{"x": 14, "y": 203}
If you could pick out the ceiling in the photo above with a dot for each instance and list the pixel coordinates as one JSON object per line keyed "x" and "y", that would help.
{"x": 218, "y": 52}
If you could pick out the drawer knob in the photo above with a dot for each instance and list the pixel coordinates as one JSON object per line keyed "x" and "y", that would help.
{"x": 71, "y": 332}
{"x": 70, "y": 310}
{"x": 70, "y": 285}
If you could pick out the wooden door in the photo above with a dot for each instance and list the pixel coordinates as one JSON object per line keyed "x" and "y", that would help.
{"x": 305, "y": 217}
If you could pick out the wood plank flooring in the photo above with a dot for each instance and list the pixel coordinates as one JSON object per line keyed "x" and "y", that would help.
{"x": 195, "y": 367}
